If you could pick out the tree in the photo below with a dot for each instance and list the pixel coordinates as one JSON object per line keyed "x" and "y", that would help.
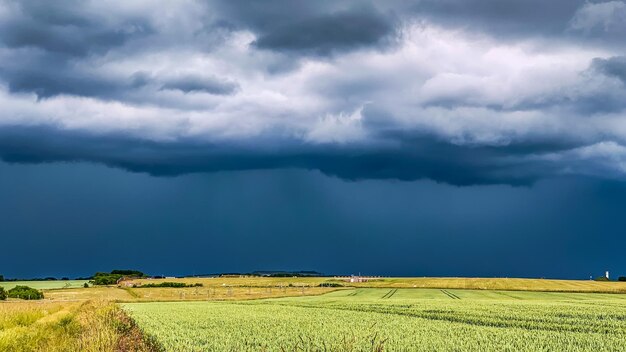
{"x": 3, "y": 294}
{"x": 621, "y": 278}
{"x": 133, "y": 273}
{"x": 1, "y": 277}
{"x": 111, "y": 278}
{"x": 86, "y": 285}
{"x": 105, "y": 279}
{"x": 24, "y": 292}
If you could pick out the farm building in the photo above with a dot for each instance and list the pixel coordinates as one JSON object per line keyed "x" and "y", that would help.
{"x": 125, "y": 282}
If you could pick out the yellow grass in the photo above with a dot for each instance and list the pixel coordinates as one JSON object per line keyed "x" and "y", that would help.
{"x": 90, "y": 326}
{"x": 91, "y": 293}
{"x": 222, "y": 293}
{"x": 56, "y": 326}
{"x": 118, "y": 294}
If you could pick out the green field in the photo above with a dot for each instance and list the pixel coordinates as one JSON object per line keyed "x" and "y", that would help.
{"x": 44, "y": 285}
{"x": 371, "y": 319}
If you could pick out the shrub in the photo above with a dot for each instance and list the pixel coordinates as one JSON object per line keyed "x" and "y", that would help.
{"x": 86, "y": 285}
{"x": 330, "y": 284}
{"x": 3, "y": 294}
{"x": 105, "y": 279}
{"x": 25, "y": 292}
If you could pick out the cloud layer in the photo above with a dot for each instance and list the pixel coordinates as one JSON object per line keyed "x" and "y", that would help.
{"x": 462, "y": 92}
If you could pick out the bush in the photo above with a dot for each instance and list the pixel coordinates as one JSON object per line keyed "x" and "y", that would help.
{"x": 86, "y": 285}
{"x": 330, "y": 284}
{"x": 621, "y": 278}
{"x": 105, "y": 279}
{"x": 3, "y": 294}
{"x": 25, "y": 292}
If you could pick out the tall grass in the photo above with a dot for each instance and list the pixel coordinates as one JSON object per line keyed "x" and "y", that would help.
{"x": 92, "y": 326}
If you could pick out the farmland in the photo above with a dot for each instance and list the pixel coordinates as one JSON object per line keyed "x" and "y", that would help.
{"x": 392, "y": 319}
{"x": 510, "y": 284}
{"x": 276, "y": 314}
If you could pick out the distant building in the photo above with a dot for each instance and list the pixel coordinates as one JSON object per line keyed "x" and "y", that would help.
{"x": 354, "y": 278}
{"x": 357, "y": 278}
{"x": 125, "y": 281}
{"x": 606, "y": 274}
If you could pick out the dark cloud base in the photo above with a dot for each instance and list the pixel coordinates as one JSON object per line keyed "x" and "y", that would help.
{"x": 420, "y": 157}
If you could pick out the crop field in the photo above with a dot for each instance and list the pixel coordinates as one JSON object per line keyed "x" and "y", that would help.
{"x": 179, "y": 294}
{"x": 44, "y": 285}
{"x": 511, "y": 284}
{"x": 392, "y": 320}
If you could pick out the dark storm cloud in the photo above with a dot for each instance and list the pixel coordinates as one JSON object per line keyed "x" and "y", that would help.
{"x": 317, "y": 28}
{"x": 61, "y": 27}
{"x": 209, "y": 85}
{"x": 325, "y": 34}
{"x": 52, "y": 41}
{"x": 330, "y": 84}
{"x": 33, "y": 75}
{"x": 419, "y": 157}
{"x": 612, "y": 67}
{"x": 511, "y": 17}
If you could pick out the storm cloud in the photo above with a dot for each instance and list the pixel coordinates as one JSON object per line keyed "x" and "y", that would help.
{"x": 462, "y": 92}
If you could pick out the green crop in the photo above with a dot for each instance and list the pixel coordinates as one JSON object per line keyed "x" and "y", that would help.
{"x": 392, "y": 320}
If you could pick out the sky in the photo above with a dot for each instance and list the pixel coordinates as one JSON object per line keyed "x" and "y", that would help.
{"x": 421, "y": 138}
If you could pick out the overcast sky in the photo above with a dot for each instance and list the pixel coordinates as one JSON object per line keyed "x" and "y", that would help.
{"x": 383, "y": 100}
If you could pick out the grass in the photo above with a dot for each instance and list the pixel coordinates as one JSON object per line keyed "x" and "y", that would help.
{"x": 67, "y": 326}
{"x": 393, "y": 320}
{"x": 91, "y": 293}
{"x": 177, "y": 294}
{"x": 44, "y": 285}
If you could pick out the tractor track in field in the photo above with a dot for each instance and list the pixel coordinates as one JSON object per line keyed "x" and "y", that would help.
{"x": 450, "y": 294}
{"x": 390, "y": 293}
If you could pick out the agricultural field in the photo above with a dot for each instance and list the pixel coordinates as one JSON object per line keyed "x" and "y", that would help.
{"x": 295, "y": 314}
{"x": 510, "y": 284}
{"x": 43, "y": 284}
{"x": 392, "y": 320}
